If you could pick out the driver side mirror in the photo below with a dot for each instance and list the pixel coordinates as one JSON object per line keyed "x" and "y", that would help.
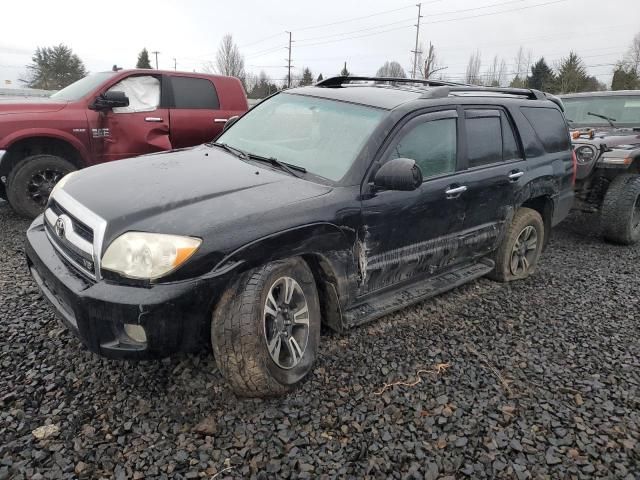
{"x": 401, "y": 174}
{"x": 230, "y": 122}
{"x": 109, "y": 100}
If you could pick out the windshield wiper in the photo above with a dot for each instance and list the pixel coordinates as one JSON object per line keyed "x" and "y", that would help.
{"x": 232, "y": 150}
{"x": 287, "y": 167}
{"x": 604, "y": 117}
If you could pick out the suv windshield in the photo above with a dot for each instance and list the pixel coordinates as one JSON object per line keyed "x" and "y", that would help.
{"x": 82, "y": 87}
{"x": 622, "y": 110}
{"x": 323, "y": 136}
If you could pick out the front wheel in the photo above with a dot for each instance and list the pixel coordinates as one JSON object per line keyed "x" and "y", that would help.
{"x": 265, "y": 330}
{"x": 517, "y": 256}
{"x": 620, "y": 215}
{"x": 30, "y": 182}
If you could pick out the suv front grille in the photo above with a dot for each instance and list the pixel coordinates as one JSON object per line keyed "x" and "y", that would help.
{"x": 80, "y": 228}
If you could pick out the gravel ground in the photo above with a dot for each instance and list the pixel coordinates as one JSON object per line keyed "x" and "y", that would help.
{"x": 539, "y": 379}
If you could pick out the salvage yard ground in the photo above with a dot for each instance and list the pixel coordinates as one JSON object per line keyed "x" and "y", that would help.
{"x": 533, "y": 379}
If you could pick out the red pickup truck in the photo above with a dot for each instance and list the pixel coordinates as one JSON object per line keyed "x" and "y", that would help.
{"x": 107, "y": 116}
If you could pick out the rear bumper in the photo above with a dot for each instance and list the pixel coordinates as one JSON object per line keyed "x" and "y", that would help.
{"x": 175, "y": 317}
{"x": 562, "y": 204}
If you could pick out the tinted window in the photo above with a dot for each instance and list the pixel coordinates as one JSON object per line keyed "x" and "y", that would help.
{"x": 484, "y": 140}
{"x": 194, "y": 93}
{"x": 550, "y": 128}
{"x": 510, "y": 149}
{"x": 432, "y": 145}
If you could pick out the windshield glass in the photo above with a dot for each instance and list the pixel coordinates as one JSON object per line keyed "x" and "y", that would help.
{"x": 623, "y": 110}
{"x": 323, "y": 136}
{"x": 79, "y": 89}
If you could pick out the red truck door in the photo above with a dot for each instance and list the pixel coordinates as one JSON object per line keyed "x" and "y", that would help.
{"x": 198, "y": 111}
{"x": 140, "y": 128}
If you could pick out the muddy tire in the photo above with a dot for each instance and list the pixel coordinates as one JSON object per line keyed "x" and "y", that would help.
{"x": 517, "y": 256}
{"x": 31, "y": 181}
{"x": 620, "y": 213}
{"x": 265, "y": 330}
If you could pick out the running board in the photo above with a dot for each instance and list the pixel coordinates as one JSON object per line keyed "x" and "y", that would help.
{"x": 387, "y": 302}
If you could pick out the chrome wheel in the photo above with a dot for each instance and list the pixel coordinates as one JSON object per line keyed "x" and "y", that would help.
{"x": 41, "y": 184}
{"x": 524, "y": 250}
{"x": 286, "y": 322}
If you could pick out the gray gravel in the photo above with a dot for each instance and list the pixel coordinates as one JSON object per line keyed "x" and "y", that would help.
{"x": 540, "y": 379}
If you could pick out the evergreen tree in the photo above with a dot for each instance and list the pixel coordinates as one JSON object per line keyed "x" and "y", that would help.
{"x": 143, "y": 59}
{"x": 624, "y": 78}
{"x": 542, "y": 77}
{"x": 307, "y": 77}
{"x": 54, "y": 68}
{"x": 344, "y": 72}
{"x": 320, "y": 78}
{"x": 263, "y": 87}
{"x": 572, "y": 74}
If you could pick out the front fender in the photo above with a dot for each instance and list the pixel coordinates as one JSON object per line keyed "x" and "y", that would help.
{"x": 329, "y": 244}
{"x": 26, "y": 133}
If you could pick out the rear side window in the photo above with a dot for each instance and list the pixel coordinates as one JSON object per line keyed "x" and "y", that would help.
{"x": 432, "y": 145}
{"x": 550, "y": 128}
{"x": 194, "y": 93}
{"x": 484, "y": 139}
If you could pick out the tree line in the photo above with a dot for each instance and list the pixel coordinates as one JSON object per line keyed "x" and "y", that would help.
{"x": 55, "y": 67}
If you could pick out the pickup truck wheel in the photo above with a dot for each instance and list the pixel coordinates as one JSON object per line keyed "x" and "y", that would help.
{"x": 517, "y": 256}
{"x": 265, "y": 330}
{"x": 31, "y": 181}
{"x": 620, "y": 214}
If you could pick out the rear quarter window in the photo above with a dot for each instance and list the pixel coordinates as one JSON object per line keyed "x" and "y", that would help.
{"x": 194, "y": 93}
{"x": 550, "y": 128}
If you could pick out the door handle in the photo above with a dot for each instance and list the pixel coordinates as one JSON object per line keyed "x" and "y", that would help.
{"x": 515, "y": 175}
{"x": 152, "y": 119}
{"x": 219, "y": 120}
{"x": 454, "y": 192}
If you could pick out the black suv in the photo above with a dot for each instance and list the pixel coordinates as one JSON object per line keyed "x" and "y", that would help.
{"x": 332, "y": 204}
{"x": 606, "y": 138}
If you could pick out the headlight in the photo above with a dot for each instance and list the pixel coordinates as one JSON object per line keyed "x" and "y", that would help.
{"x": 148, "y": 255}
{"x": 62, "y": 181}
{"x": 585, "y": 154}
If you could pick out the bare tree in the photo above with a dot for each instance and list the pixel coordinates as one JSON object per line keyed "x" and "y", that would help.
{"x": 228, "y": 61}
{"x": 391, "y": 69}
{"x": 522, "y": 63}
{"x": 632, "y": 57}
{"x": 472, "y": 74}
{"x": 497, "y": 73}
{"x": 429, "y": 64}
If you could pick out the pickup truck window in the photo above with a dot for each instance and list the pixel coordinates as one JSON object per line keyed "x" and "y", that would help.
{"x": 82, "y": 87}
{"x": 432, "y": 145}
{"x": 323, "y": 136}
{"x": 194, "y": 93}
{"x": 143, "y": 92}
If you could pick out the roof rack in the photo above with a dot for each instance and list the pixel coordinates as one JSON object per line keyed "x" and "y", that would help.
{"x": 334, "y": 82}
{"x": 452, "y": 87}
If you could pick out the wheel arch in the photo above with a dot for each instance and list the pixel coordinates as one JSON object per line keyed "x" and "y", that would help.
{"x": 25, "y": 146}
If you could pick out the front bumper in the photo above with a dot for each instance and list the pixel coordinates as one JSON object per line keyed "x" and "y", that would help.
{"x": 175, "y": 317}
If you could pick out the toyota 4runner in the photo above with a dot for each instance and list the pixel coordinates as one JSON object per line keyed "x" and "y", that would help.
{"x": 331, "y": 204}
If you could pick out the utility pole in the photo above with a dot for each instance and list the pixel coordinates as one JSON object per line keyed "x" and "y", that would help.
{"x": 289, "y": 62}
{"x": 415, "y": 50}
{"x": 156, "y": 54}
{"x": 175, "y": 64}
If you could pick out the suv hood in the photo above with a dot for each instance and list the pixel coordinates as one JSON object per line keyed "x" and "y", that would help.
{"x": 186, "y": 192}
{"x": 30, "y": 105}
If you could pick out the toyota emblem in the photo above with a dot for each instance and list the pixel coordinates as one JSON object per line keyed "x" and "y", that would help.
{"x": 59, "y": 227}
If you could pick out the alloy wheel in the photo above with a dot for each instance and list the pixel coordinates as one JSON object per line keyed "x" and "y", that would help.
{"x": 524, "y": 250}
{"x": 286, "y": 322}
{"x": 41, "y": 184}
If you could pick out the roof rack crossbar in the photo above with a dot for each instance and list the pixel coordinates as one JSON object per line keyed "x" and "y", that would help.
{"x": 530, "y": 93}
{"x": 339, "y": 81}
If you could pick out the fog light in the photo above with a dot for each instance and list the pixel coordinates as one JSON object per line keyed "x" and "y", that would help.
{"x": 135, "y": 332}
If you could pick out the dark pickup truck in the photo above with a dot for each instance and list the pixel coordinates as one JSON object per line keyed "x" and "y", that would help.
{"x": 107, "y": 116}
{"x": 332, "y": 204}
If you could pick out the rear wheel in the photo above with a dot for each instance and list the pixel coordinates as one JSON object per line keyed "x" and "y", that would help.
{"x": 517, "y": 256}
{"x": 620, "y": 214}
{"x": 30, "y": 182}
{"x": 266, "y": 329}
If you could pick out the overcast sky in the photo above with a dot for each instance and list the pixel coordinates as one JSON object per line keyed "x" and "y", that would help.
{"x": 325, "y": 34}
